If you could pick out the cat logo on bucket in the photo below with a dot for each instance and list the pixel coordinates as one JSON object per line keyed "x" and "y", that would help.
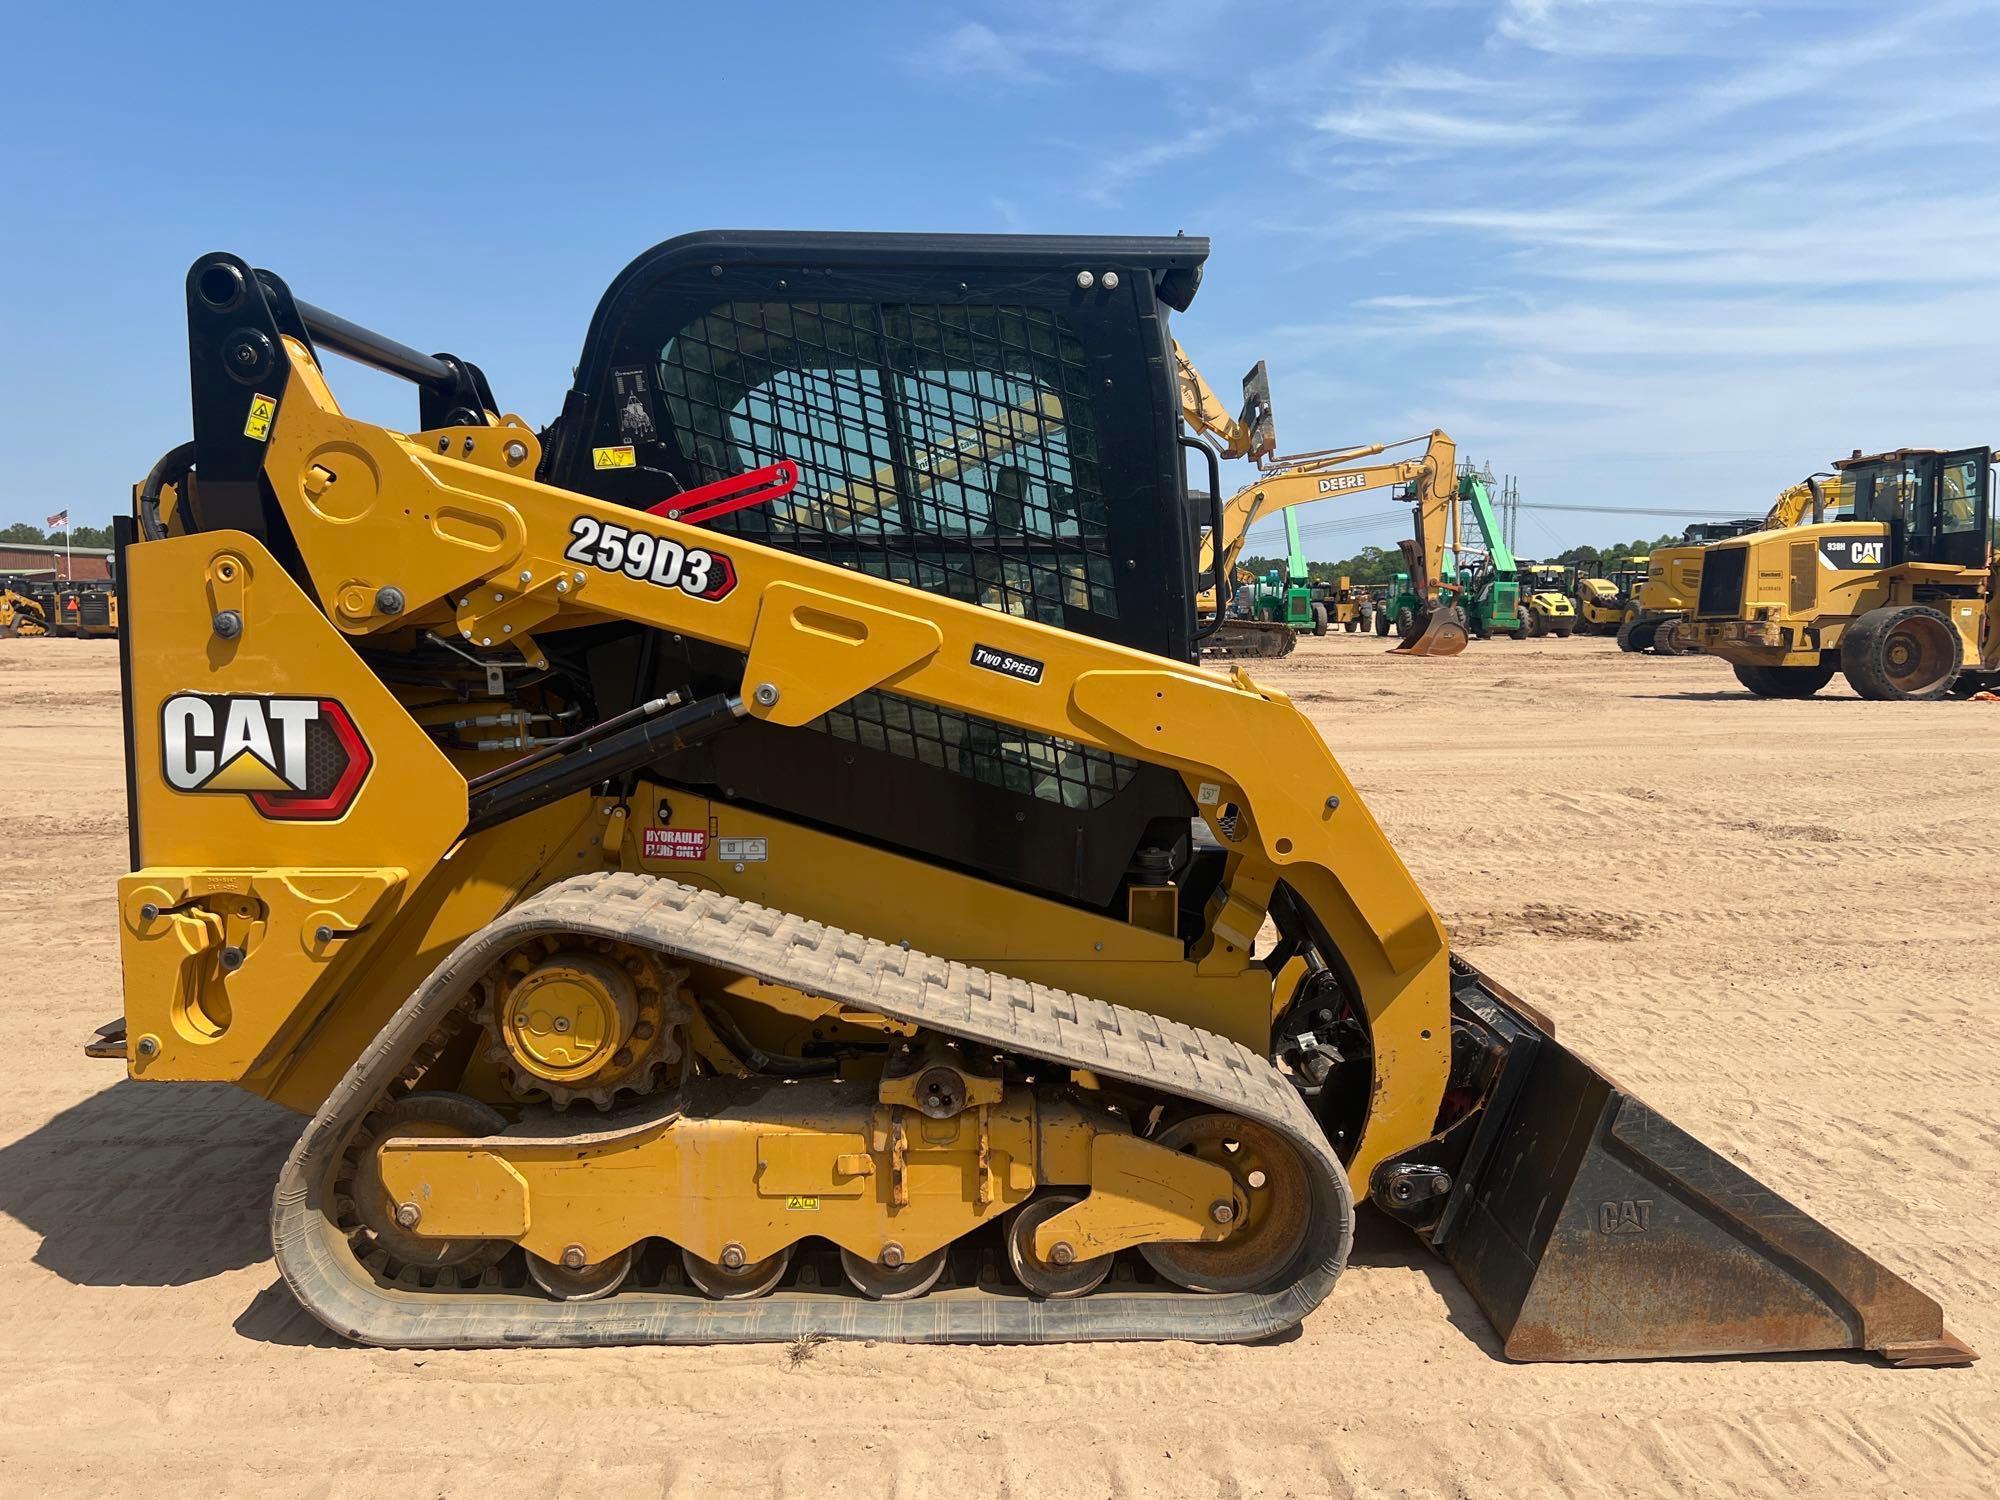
{"x": 296, "y": 759}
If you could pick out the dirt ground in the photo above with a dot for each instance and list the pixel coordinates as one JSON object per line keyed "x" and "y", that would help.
{"x": 1776, "y": 921}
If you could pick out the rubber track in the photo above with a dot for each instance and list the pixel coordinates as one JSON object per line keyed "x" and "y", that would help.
{"x": 1010, "y": 1014}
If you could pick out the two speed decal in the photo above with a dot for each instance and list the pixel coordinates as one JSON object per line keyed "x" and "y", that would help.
{"x": 695, "y": 571}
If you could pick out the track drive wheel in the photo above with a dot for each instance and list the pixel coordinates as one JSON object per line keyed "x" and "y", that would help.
{"x": 1784, "y": 682}
{"x": 1050, "y": 1278}
{"x": 1901, "y": 653}
{"x": 1270, "y": 1180}
{"x": 892, "y": 1283}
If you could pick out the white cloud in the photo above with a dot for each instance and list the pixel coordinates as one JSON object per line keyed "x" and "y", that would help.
{"x": 1404, "y": 301}
{"x": 1400, "y": 125}
{"x": 1613, "y": 28}
{"x": 972, "y": 47}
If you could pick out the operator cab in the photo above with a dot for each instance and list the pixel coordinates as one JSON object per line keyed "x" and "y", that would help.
{"x": 990, "y": 418}
{"x": 1936, "y": 503}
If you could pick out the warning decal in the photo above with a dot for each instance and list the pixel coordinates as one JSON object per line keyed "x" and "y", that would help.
{"x": 262, "y": 410}
{"x": 624, "y": 456}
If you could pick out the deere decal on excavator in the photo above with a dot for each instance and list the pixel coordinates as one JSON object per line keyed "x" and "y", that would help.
{"x": 706, "y": 964}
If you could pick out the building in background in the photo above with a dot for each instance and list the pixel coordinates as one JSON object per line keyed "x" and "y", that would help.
{"x": 80, "y": 564}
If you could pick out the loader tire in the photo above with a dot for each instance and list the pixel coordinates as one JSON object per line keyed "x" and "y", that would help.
{"x": 1406, "y": 623}
{"x": 1784, "y": 682}
{"x": 1319, "y": 619}
{"x": 1901, "y": 654}
{"x": 1382, "y": 622}
{"x": 1565, "y": 629}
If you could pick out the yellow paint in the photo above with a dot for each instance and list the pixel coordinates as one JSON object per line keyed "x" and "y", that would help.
{"x": 820, "y": 1146}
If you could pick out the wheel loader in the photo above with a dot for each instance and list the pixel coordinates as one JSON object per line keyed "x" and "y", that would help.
{"x": 758, "y": 857}
{"x": 1898, "y": 595}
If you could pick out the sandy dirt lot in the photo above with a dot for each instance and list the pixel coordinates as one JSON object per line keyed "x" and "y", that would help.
{"x": 1776, "y": 921}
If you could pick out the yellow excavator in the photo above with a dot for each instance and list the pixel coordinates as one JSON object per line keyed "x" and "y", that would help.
{"x": 683, "y": 914}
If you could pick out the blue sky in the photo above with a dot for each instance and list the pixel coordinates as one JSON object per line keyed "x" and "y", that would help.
{"x": 1636, "y": 253}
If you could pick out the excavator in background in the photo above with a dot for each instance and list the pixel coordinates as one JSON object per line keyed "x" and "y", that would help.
{"x": 1429, "y": 607}
{"x": 1664, "y": 601}
{"x": 685, "y": 915}
{"x": 1896, "y": 591}
{"x": 1427, "y": 612}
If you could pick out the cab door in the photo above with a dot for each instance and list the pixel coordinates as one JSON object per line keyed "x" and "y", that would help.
{"x": 1951, "y": 521}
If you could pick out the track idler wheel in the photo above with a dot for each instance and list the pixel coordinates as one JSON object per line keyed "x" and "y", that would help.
{"x": 579, "y": 1282}
{"x": 1273, "y": 1183}
{"x": 391, "y": 1229}
{"x": 1050, "y": 1278}
{"x": 892, "y": 1283}
{"x": 727, "y": 1283}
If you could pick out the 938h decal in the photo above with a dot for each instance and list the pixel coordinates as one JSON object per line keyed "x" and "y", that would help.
{"x": 296, "y": 759}
{"x": 697, "y": 572}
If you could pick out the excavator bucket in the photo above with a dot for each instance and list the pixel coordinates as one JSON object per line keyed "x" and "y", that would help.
{"x": 1588, "y": 1226}
{"x": 1444, "y": 634}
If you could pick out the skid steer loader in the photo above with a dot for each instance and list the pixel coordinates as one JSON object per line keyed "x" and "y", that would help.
{"x": 758, "y": 858}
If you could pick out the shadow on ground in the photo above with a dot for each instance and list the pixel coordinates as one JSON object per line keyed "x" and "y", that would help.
{"x": 1381, "y": 1243}
{"x": 150, "y": 1185}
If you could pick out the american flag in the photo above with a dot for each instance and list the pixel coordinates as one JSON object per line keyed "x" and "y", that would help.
{"x": 59, "y": 520}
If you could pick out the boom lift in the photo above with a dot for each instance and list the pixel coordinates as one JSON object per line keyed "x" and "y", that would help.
{"x": 1899, "y": 596}
{"x": 1494, "y": 585}
{"x": 690, "y": 913}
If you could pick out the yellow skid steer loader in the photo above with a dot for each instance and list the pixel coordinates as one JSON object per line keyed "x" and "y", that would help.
{"x": 758, "y": 857}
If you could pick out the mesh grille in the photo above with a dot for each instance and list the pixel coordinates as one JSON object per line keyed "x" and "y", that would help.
{"x": 1722, "y": 571}
{"x": 949, "y": 448}
{"x": 1805, "y": 577}
{"x": 1060, "y": 771}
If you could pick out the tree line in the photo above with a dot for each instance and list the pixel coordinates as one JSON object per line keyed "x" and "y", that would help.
{"x": 81, "y": 536}
{"x": 1382, "y": 564}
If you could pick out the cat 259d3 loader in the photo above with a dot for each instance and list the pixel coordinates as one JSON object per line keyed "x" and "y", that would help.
{"x": 758, "y": 857}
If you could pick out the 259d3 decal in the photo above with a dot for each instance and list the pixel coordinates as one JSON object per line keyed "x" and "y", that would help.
{"x": 296, "y": 759}
{"x": 612, "y": 548}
